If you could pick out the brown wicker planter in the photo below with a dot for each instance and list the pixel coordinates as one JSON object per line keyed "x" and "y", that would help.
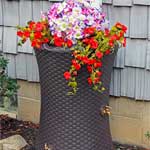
{"x": 71, "y": 122}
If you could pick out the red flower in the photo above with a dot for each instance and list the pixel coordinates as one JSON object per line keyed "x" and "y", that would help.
{"x": 85, "y": 59}
{"x": 38, "y": 45}
{"x": 34, "y": 43}
{"x": 99, "y": 54}
{"x": 74, "y": 61}
{"x": 91, "y": 61}
{"x": 79, "y": 57}
{"x": 46, "y": 40}
{"x": 121, "y": 26}
{"x": 20, "y": 33}
{"x": 124, "y": 28}
{"x": 74, "y": 53}
{"x": 75, "y": 73}
{"x": 113, "y": 38}
{"x": 89, "y": 68}
{"x": 117, "y": 37}
{"x": 69, "y": 43}
{"x": 124, "y": 42}
{"x": 39, "y": 27}
{"x": 58, "y": 41}
{"x": 89, "y": 81}
{"x": 67, "y": 75}
{"x": 96, "y": 80}
{"x": 121, "y": 34}
{"x": 111, "y": 44}
{"x": 98, "y": 73}
{"x": 31, "y": 24}
{"x": 37, "y": 35}
{"x": 86, "y": 40}
{"x": 107, "y": 52}
{"x": 106, "y": 33}
{"x": 93, "y": 43}
{"x": 89, "y": 30}
{"x": 118, "y": 25}
{"x": 97, "y": 64}
{"x": 26, "y": 33}
{"x": 77, "y": 66}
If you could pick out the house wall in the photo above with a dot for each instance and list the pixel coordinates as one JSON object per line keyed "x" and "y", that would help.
{"x": 130, "y": 83}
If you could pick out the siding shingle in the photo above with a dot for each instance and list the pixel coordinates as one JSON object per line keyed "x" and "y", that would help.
{"x": 120, "y": 58}
{"x": 1, "y": 13}
{"x": 139, "y": 86}
{"x": 32, "y": 69}
{"x": 107, "y": 1}
{"x": 148, "y": 56}
{"x": 147, "y": 85}
{"x": 11, "y": 12}
{"x": 122, "y": 2}
{"x": 21, "y": 66}
{"x": 139, "y": 22}
{"x": 37, "y": 8}
{"x": 135, "y": 53}
{"x": 117, "y": 82}
{"x": 1, "y": 38}
{"x": 25, "y": 12}
{"x": 128, "y": 82}
{"x": 10, "y": 40}
{"x": 46, "y": 5}
{"x": 141, "y": 2}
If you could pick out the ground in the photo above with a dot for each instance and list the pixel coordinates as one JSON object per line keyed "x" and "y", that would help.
{"x": 10, "y": 126}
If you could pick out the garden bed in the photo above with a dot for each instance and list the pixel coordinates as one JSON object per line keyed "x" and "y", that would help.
{"x": 28, "y": 130}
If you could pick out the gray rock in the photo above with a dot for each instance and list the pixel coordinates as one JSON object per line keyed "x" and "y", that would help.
{"x": 15, "y": 142}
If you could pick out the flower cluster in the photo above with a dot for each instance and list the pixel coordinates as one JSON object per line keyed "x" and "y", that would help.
{"x": 69, "y": 19}
{"x": 37, "y": 33}
{"x": 83, "y": 29}
{"x": 90, "y": 51}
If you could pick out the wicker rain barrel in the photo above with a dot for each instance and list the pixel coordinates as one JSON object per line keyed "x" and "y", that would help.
{"x": 71, "y": 122}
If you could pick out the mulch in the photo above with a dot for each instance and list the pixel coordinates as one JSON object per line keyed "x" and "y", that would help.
{"x": 28, "y": 130}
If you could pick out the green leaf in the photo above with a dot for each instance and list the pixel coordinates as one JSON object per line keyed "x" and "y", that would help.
{"x": 72, "y": 84}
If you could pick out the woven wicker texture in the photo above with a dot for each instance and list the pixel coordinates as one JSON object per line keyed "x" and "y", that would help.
{"x": 71, "y": 122}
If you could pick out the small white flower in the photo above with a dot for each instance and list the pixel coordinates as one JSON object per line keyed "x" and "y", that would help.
{"x": 63, "y": 26}
{"x": 61, "y": 7}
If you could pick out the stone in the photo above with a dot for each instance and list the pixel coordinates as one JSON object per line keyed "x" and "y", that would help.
{"x": 15, "y": 142}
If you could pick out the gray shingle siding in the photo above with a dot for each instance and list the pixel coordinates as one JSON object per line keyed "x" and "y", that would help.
{"x": 10, "y": 13}
{"x": 1, "y": 13}
{"x": 21, "y": 66}
{"x": 120, "y": 58}
{"x": 32, "y": 69}
{"x": 9, "y": 40}
{"x": 1, "y": 37}
{"x": 107, "y": 1}
{"x": 122, "y": 2}
{"x": 141, "y": 2}
{"x": 139, "y": 22}
{"x": 25, "y": 10}
{"x": 131, "y": 74}
{"x": 135, "y": 53}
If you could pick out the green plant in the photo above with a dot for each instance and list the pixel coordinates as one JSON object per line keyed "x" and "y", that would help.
{"x": 147, "y": 135}
{"x": 8, "y": 86}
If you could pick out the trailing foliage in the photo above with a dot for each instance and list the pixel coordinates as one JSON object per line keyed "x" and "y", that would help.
{"x": 8, "y": 86}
